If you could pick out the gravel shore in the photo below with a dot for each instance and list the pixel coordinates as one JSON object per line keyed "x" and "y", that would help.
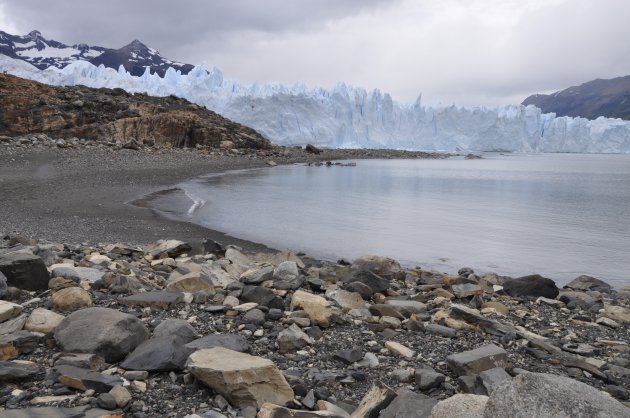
{"x": 83, "y": 194}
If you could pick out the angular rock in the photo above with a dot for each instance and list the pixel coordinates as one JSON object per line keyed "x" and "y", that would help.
{"x": 586, "y": 283}
{"x": 257, "y": 275}
{"x": 24, "y": 271}
{"x": 242, "y": 379}
{"x": 286, "y": 271}
{"x": 12, "y": 345}
{"x": 385, "y": 267}
{"x": 44, "y": 321}
{"x": 399, "y": 349}
{"x": 167, "y": 248}
{"x": 13, "y": 325}
{"x": 155, "y": 299}
{"x": 292, "y": 339}
{"x": 17, "y": 370}
{"x": 165, "y": 353}
{"x": 477, "y": 360}
{"x": 427, "y": 378}
{"x": 465, "y": 290}
{"x": 381, "y": 309}
{"x": 121, "y": 396}
{"x": 190, "y": 283}
{"x": 71, "y": 299}
{"x": 83, "y": 361}
{"x": 84, "y": 379}
{"x": 9, "y": 310}
{"x": 255, "y": 316}
{"x": 373, "y": 281}
{"x": 230, "y": 341}
{"x": 109, "y": 333}
{"x": 534, "y": 286}
{"x": 546, "y": 395}
{"x": 490, "y": 379}
{"x": 409, "y": 405}
{"x": 440, "y": 330}
{"x": 617, "y": 313}
{"x": 347, "y": 300}
{"x": 176, "y": 327}
{"x": 269, "y": 410}
{"x": 407, "y": 306}
{"x": 262, "y": 296}
{"x": 349, "y": 355}
{"x": 461, "y": 406}
{"x": 375, "y": 400}
{"x": 316, "y": 307}
{"x": 68, "y": 271}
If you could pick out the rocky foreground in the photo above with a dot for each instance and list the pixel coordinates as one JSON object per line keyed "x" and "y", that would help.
{"x": 168, "y": 331}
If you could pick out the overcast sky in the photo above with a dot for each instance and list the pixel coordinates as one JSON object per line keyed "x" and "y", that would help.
{"x": 470, "y": 52}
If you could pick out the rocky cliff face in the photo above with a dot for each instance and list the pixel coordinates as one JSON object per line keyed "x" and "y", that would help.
{"x": 28, "y": 107}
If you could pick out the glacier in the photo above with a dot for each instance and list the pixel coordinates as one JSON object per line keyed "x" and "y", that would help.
{"x": 351, "y": 117}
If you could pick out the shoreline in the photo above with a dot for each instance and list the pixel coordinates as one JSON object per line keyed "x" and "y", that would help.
{"x": 84, "y": 194}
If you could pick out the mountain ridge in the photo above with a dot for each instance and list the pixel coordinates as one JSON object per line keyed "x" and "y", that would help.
{"x": 600, "y": 97}
{"x": 43, "y": 53}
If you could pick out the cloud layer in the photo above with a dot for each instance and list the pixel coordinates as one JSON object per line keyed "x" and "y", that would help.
{"x": 453, "y": 51}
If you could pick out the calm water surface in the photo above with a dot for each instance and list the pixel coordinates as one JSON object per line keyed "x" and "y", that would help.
{"x": 555, "y": 214}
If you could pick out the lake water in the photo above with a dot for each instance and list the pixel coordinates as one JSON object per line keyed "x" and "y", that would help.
{"x": 558, "y": 215}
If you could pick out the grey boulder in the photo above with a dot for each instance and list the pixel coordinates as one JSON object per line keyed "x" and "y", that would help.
{"x": 24, "y": 271}
{"x": 549, "y": 396}
{"x": 109, "y": 333}
{"x": 534, "y": 286}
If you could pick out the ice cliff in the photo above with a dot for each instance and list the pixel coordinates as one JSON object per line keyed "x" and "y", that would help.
{"x": 351, "y": 117}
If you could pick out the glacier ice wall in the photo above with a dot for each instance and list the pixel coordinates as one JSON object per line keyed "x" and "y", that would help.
{"x": 351, "y": 117}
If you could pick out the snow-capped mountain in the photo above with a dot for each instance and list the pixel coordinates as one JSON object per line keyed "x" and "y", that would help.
{"x": 136, "y": 57}
{"x": 44, "y": 53}
{"x": 351, "y": 117}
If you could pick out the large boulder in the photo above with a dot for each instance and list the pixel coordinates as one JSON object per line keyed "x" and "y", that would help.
{"x": 386, "y": 267}
{"x": 534, "y": 286}
{"x": 24, "y": 271}
{"x": 109, "y": 333}
{"x": 462, "y": 405}
{"x": 159, "y": 354}
{"x": 586, "y": 283}
{"x": 243, "y": 379}
{"x": 551, "y": 396}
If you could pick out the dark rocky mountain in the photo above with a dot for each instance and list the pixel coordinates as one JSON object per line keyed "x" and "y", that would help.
{"x": 609, "y": 98}
{"x": 28, "y": 107}
{"x": 43, "y": 53}
{"x": 135, "y": 57}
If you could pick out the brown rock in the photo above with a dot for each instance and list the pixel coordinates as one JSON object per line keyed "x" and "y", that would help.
{"x": 243, "y": 379}
{"x": 71, "y": 299}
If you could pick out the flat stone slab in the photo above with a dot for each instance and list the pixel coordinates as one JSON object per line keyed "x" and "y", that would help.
{"x": 9, "y": 310}
{"x": 84, "y": 379}
{"x": 155, "y": 299}
{"x": 68, "y": 271}
{"x": 17, "y": 370}
{"x": 477, "y": 360}
{"x": 243, "y": 379}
